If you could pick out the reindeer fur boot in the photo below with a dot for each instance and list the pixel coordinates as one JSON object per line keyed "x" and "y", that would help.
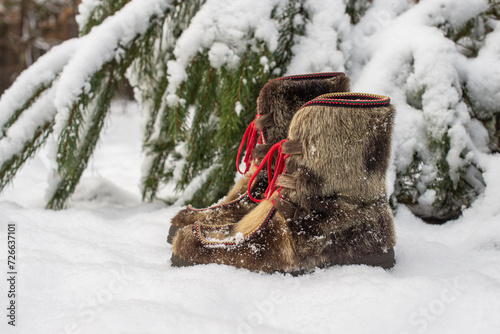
{"x": 278, "y": 101}
{"x": 331, "y": 206}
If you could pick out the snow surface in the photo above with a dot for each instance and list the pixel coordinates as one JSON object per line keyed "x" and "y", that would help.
{"x": 103, "y": 265}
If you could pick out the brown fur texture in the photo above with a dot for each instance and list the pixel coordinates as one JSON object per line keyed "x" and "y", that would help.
{"x": 345, "y": 151}
{"x": 260, "y": 151}
{"x": 279, "y": 100}
{"x": 333, "y": 210}
{"x": 266, "y": 251}
{"x": 295, "y": 240}
{"x": 224, "y": 213}
{"x": 282, "y": 98}
{"x": 342, "y": 234}
{"x": 292, "y": 147}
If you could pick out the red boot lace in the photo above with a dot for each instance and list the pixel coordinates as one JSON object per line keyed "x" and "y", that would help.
{"x": 278, "y": 169}
{"x": 250, "y": 137}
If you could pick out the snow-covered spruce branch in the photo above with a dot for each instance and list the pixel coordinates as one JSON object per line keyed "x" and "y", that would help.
{"x": 93, "y": 12}
{"x": 80, "y": 118}
{"x": 77, "y": 65}
{"x": 28, "y": 111}
{"x": 32, "y": 82}
{"x": 207, "y": 53}
{"x": 79, "y": 149}
{"x": 26, "y": 136}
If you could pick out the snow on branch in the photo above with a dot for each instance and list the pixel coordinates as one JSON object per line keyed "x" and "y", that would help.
{"x": 33, "y": 80}
{"x": 100, "y": 46}
{"x": 225, "y": 28}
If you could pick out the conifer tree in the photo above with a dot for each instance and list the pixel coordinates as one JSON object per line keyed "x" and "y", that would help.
{"x": 453, "y": 189}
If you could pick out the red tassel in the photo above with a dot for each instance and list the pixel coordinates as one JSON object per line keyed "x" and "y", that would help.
{"x": 250, "y": 138}
{"x": 278, "y": 169}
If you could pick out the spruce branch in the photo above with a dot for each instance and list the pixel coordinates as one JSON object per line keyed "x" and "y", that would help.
{"x": 289, "y": 30}
{"x": 71, "y": 168}
{"x": 27, "y": 133}
{"x": 11, "y": 166}
{"x": 161, "y": 133}
{"x": 28, "y": 103}
{"x": 240, "y": 86}
{"x": 169, "y": 122}
{"x": 28, "y": 110}
{"x": 80, "y": 132}
{"x": 100, "y": 12}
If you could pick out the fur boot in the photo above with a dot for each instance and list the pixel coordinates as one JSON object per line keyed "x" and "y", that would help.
{"x": 331, "y": 205}
{"x": 278, "y": 101}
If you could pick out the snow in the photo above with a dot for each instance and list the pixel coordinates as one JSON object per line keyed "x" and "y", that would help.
{"x": 85, "y": 10}
{"x": 103, "y": 265}
{"x": 483, "y": 73}
{"x": 317, "y": 50}
{"x": 220, "y": 54}
{"x": 226, "y": 30}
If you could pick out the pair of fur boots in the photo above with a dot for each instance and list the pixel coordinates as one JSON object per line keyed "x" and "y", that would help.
{"x": 322, "y": 199}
